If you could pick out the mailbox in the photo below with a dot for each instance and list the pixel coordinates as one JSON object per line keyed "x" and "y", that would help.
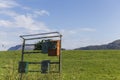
{"x": 45, "y": 45}
{"x": 54, "y": 49}
{"x": 45, "y": 66}
{"x": 23, "y": 67}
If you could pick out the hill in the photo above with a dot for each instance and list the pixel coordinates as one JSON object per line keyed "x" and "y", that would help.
{"x": 113, "y": 45}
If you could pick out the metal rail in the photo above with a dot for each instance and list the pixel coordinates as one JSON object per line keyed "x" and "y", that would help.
{"x": 41, "y": 37}
{"x": 24, "y": 36}
{"x": 40, "y": 62}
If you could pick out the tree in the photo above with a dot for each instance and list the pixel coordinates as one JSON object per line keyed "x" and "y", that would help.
{"x": 38, "y": 45}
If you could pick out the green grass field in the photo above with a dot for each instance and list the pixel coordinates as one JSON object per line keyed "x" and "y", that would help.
{"x": 77, "y": 65}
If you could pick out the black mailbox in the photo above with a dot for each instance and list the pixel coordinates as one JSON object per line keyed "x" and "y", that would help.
{"x": 23, "y": 67}
{"x": 45, "y": 66}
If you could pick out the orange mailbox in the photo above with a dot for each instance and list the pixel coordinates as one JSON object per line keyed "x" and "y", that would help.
{"x": 56, "y": 50}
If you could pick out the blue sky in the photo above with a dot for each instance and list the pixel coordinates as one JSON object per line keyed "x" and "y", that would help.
{"x": 82, "y": 22}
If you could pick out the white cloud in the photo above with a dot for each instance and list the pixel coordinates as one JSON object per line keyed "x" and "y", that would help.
{"x": 9, "y": 13}
{"x": 25, "y": 22}
{"x": 5, "y": 23}
{"x": 26, "y": 8}
{"x": 41, "y": 12}
{"x": 38, "y": 13}
{"x": 7, "y": 4}
{"x": 3, "y": 34}
{"x": 88, "y": 29}
{"x": 73, "y": 38}
{"x": 76, "y": 31}
{"x": 30, "y": 24}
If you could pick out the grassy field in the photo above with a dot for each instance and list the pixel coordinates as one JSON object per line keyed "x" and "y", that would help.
{"x": 77, "y": 65}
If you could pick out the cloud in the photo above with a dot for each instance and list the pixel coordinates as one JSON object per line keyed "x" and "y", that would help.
{"x": 28, "y": 23}
{"x": 7, "y": 4}
{"x": 25, "y": 20}
{"x": 26, "y": 8}
{"x": 88, "y": 29}
{"x": 73, "y": 38}
{"x": 3, "y": 34}
{"x": 37, "y": 13}
{"x": 9, "y": 13}
{"x": 76, "y": 31}
{"x": 41, "y": 12}
{"x": 5, "y": 23}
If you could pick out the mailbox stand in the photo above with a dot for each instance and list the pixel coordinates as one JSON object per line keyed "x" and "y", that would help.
{"x": 23, "y": 66}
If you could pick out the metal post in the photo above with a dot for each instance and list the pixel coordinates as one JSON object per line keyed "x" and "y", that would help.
{"x": 22, "y": 56}
{"x": 60, "y": 57}
{"x": 23, "y": 48}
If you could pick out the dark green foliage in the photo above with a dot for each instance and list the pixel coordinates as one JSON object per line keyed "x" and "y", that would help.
{"x": 38, "y": 45}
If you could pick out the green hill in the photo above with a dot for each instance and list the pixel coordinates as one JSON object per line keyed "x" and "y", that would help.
{"x": 77, "y": 65}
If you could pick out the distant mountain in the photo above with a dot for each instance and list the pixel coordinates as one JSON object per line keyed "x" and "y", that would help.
{"x": 113, "y": 45}
{"x": 19, "y": 47}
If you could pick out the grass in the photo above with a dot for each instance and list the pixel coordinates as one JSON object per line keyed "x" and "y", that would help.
{"x": 76, "y": 65}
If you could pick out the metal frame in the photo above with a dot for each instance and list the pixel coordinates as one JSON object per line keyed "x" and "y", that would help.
{"x": 33, "y": 37}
